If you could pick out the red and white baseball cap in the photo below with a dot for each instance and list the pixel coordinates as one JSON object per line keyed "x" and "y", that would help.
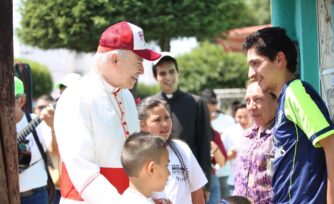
{"x": 126, "y": 36}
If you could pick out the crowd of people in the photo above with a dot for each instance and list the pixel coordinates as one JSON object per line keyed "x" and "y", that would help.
{"x": 98, "y": 146}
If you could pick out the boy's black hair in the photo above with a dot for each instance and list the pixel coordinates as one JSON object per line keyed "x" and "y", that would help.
{"x": 237, "y": 200}
{"x": 140, "y": 148}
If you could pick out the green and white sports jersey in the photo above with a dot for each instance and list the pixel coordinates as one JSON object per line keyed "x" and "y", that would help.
{"x": 302, "y": 120}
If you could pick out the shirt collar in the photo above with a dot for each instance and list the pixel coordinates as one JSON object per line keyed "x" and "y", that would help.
{"x": 266, "y": 132}
{"x": 171, "y": 96}
{"x": 108, "y": 87}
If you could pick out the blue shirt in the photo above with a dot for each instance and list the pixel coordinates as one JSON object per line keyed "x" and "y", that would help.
{"x": 302, "y": 120}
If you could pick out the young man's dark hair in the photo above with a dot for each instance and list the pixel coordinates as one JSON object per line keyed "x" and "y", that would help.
{"x": 165, "y": 58}
{"x": 140, "y": 148}
{"x": 269, "y": 41}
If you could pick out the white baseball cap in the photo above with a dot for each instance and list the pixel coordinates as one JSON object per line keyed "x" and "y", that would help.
{"x": 163, "y": 55}
{"x": 69, "y": 79}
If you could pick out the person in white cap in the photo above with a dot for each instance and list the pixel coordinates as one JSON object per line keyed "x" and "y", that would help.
{"x": 189, "y": 113}
{"x": 95, "y": 116}
{"x": 68, "y": 80}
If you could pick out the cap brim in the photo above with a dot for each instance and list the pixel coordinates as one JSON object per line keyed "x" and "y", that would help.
{"x": 147, "y": 54}
{"x": 163, "y": 55}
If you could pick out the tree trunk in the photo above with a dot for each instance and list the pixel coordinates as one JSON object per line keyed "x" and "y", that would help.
{"x": 9, "y": 188}
{"x": 165, "y": 44}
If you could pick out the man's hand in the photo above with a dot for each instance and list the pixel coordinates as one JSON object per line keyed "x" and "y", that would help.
{"x": 47, "y": 115}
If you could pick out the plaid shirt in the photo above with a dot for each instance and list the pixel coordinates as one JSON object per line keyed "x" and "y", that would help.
{"x": 253, "y": 176}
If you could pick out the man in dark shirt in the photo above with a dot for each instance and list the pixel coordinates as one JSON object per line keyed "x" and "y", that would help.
{"x": 189, "y": 113}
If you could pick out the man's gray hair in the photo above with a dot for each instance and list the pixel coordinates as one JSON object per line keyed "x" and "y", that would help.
{"x": 103, "y": 58}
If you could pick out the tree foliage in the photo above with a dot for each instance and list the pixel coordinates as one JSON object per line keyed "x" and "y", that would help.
{"x": 145, "y": 90}
{"x": 41, "y": 78}
{"x": 208, "y": 66}
{"x": 77, "y": 25}
{"x": 262, "y": 8}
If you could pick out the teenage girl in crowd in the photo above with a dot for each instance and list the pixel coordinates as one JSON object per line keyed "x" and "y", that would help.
{"x": 186, "y": 176}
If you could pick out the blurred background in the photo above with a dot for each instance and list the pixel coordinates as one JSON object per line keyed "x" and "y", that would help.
{"x": 59, "y": 37}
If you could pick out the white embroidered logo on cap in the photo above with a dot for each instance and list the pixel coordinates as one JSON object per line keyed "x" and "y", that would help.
{"x": 141, "y": 35}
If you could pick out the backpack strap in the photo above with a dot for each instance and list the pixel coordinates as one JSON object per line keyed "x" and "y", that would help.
{"x": 50, "y": 184}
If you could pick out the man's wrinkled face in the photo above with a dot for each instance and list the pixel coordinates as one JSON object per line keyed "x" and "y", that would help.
{"x": 129, "y": 67}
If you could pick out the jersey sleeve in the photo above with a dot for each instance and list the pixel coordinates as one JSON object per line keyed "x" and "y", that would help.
{"x": 301, "y": 109}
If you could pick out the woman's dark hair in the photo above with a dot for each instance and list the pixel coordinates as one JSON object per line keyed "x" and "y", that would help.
{"x": 234, "y": 105}
{"x": 209, "y": 96}
{"x": 143, "y": 111}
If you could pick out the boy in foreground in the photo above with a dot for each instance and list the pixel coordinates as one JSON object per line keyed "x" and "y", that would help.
{"x": 145, "y": 160}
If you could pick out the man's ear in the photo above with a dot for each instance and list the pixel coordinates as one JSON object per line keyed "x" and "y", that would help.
{"x": 23, "y": 100}
{"x": 142, "y": 126}
{"x": 113, "y": 59}
{"x": 150, "y": 168}
{"x": 280, "y": 58}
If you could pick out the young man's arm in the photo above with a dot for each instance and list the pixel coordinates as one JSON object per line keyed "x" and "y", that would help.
{"x": 328, "y": 145}
{"x": 198, "y": 197}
